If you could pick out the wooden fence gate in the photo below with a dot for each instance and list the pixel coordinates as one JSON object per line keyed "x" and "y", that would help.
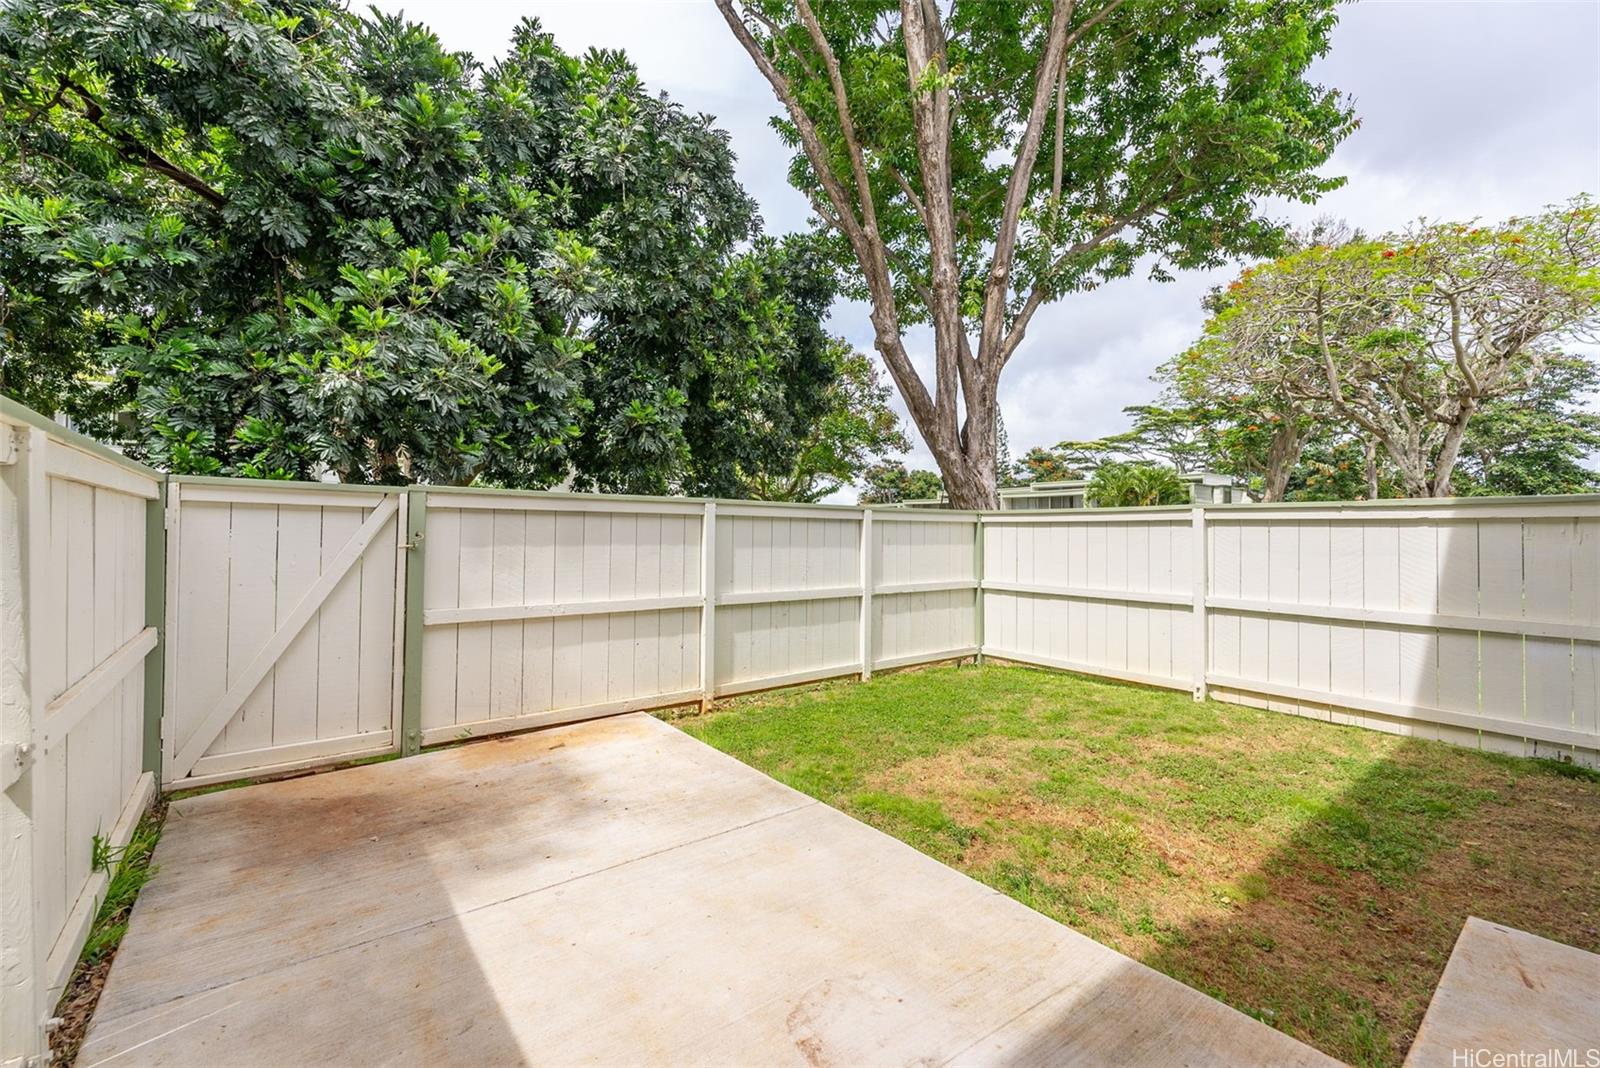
{"x": 282, "y": 650}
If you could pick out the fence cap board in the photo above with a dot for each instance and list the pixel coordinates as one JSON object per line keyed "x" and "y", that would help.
{"x": 248, "y": 484}
{"x": 16, "y": 412}
{"x": 1410, "y": 502}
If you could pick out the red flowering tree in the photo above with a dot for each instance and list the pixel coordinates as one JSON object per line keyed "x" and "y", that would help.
{"x": 1402, "y": 339}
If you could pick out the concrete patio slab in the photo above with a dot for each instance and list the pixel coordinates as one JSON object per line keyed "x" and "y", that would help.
{"x": 609, "y": 892}
{"x": 1509, "y": 997}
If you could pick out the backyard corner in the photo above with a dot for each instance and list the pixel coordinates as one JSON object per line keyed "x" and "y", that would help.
{"x": 1312, "y": 875}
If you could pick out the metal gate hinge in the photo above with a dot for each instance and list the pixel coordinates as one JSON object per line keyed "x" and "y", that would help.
{"x": 10, "y": 445}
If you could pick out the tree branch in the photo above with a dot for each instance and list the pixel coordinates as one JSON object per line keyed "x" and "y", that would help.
{"x": 1019, "y": 325}
{"x": 911, "y": 195}
{"x": 847, "y": 126}
{"x": 868, "y": 246}
{"x": 930, "y": 112}
{"x": 1463, "y": 362}
{"x": 1005, "y": 242}
{"x": 134, "y": 151}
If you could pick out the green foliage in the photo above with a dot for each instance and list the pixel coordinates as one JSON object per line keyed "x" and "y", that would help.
{"x": 1135, "y": 485}
{"x": 1537, "y": 441}
{"x": 1174, "y": 436}
{"x": 891, "y": 482}
{"x": 856, "y": 430}
{"x": 1332, "y": 468}
{"x": 283, "y": 239}
{"x": 1175, "y": 121}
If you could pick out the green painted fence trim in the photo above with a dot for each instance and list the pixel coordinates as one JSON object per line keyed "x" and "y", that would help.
{"x": 155, "y": 615}
{"x": 411, "y": 673}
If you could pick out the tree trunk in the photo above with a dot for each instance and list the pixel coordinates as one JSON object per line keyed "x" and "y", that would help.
{"x": 1287, "y": 443}
{"x": 1450, "y": 451}
{"x": 969, "y": 469}
{"x": 966, "y": 454}
{"x": 1372, "y": 469}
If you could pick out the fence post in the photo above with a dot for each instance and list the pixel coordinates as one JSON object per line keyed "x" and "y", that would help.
{"x": 708, "y": 609}
{"x": 1202, "y": 585}
{"x": 866, "y": 594}
{"x": 155, "y": 615}
{"x": 415, "y": 504}
{"x": 977, "y": 592}
{"x": 24, "y": 511}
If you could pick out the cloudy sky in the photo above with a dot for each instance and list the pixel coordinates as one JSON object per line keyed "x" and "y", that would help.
{"x": 1469, "y": 108}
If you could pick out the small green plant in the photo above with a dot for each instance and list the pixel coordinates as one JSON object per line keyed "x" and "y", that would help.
{"x": 1568, "y": 770}
{"x": 129, "y": 868}
{"x": 100, "y": 853}
{"x": 1135, "y": 485}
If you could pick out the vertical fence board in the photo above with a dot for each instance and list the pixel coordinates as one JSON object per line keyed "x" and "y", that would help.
{"x": 440, "y": 589}
{"x": 251, "y": 617}
{"x": 339, "y": 635}
{"x": 1500, "y": 596}
{"x": 1548, "y": 550}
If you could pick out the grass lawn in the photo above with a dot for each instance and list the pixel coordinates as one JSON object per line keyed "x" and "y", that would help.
{"x": 1311, "y": 875}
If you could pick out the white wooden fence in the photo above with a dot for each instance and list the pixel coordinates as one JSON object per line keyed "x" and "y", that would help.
{"x": 306, "y": 624}
{"x": 532, "y": 609}
{"x": 1472, "y": 621}
{"x": 76, "y": 638}
{"x": 1104, "y": 591}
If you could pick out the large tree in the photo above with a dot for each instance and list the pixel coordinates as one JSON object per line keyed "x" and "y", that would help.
{"x": 1173, "y": 436}
{"x": 1040, "y": 464}
{"x": 1406, "y": 338}
{"x": 975, "y": 161}
{"x": 280, "y": 238}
